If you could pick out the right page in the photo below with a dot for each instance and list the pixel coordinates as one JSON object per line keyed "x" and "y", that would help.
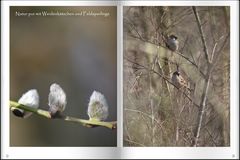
{"x": 176, "y": 76}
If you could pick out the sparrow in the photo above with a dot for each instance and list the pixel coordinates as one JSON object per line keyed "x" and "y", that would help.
{"x": 178, "y": 80}
{"x": 57, "y": 100}
{"x": 172, "y": 43}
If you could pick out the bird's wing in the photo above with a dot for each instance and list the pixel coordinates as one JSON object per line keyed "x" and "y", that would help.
{"x": 182, "y": 81}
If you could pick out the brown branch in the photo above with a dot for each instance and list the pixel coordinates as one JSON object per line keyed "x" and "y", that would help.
{"x": 211, "y": 137}
{"x": 178, "y": 53}
{"x": 207, "y": 82}
{"x": 131, "y": 141}
{"x": 220, "y": 50}
{"x": 134, "y": 28}
{"x": 201, "y": 34}
{"x": 201, "y": 112}
{"x": 165, "y": 78}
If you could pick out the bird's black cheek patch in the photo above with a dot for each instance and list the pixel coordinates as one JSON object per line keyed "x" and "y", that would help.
{"x": 18, "y": 113}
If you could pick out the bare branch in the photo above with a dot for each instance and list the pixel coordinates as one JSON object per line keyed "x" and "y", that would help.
{"x": 201, "y": 33}
{"x": 131, "y": 141}
{"x": 165, "y": 78}
{"x": 178, "y": 53}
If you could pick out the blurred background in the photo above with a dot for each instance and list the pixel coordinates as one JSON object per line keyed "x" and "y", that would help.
{"x": 77, "y": 52}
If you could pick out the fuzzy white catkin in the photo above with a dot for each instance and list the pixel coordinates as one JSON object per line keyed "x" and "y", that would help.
{"x": 30, "y": 99}
{"x": 97, "y": 107}
{"x": 57, "y": 100}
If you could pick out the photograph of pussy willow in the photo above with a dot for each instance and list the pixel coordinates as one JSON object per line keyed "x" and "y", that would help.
{"x": 176, "y": 76}
{"x": 63, "y": 76}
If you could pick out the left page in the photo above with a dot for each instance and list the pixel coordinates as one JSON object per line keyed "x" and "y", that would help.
{"x": 63, "y": 64}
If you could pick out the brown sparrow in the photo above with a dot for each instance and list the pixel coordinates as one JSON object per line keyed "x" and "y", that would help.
{"x": 178, "y": 80}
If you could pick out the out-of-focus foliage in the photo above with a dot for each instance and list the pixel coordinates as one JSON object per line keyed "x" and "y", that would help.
{"x": 155, "y": 112}
{"x": 77, "y": 52}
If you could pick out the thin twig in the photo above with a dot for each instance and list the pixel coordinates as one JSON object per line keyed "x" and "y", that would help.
{"x": 221, "y": 49}
{"x": 145, "y": 115}
{"x": 178, "y": 53}
{"x": 165, "y": 78}
{"x": 130, "y": 141}
{"x": 211, "y": 137}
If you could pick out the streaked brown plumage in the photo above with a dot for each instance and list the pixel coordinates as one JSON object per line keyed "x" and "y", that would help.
{"x": 178, "y": 80}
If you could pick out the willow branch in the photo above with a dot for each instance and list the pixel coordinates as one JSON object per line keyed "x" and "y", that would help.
{"x": 46, "y": 114}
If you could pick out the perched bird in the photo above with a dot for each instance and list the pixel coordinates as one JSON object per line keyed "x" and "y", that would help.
{"x": 172, "y": 43}
{"x": 178, "y": 80}
{"x": 57, "y": 100}
{"x": 30, "y": 99}
{"x": 97, "y": 107}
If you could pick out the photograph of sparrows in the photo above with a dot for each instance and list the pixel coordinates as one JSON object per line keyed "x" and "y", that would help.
{"x": 178, "y": 80}
{"x": 178, "y": 85}
{"x": 172, "y": 43}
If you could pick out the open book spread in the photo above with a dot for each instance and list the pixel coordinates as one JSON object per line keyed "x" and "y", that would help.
{"x": 119, "y": 79}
